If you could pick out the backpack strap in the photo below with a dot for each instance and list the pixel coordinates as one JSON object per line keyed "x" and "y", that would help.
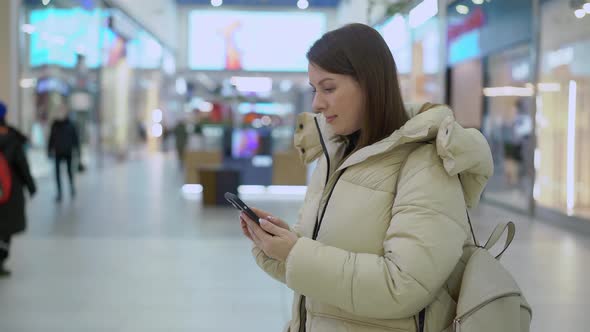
{"x": 468, "y": 216}
{"x": 497, "y": 233}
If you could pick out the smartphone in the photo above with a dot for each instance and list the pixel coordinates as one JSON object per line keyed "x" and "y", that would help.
{"x": 238, "y": 204}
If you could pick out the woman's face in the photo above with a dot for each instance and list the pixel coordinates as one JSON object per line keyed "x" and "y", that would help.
{"x": 339, "y": 98}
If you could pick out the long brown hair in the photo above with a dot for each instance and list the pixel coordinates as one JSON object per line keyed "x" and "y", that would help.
{"x": 359, "y": 51}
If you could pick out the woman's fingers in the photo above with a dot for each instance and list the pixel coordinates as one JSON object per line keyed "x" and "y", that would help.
{"x": 268, "y": 216}
{"x": 259, "y": 235}
{"x": 271, "y": 228}
{"x": 278, "y": 222}
{"x": 245, "y": 229}
{"x": 255, "y": 238}
{"x": 260, "y": 213}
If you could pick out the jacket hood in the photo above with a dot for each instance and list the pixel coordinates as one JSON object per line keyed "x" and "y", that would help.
{"x": 463, "y": 152}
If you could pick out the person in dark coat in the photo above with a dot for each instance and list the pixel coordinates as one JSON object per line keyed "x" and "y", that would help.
{"x": 181, "y": 138}
{"x": 63, "y": 144}
{"x": 12, "y": 212}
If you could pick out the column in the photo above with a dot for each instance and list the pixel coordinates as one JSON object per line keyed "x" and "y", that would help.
{"x": 9, "y": 62}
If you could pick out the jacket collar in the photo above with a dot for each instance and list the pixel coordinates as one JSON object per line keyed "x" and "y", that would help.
{"x": 421, "y": 127}
{"x": 463, "y": 151}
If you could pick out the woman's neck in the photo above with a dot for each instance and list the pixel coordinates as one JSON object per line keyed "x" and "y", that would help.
{"x": 352, "y": 142}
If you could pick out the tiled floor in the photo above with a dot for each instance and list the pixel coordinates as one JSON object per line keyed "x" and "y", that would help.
{"x": 132, "y": 254}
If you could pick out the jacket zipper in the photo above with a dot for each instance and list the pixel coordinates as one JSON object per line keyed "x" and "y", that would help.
{"x": 457, "y": 321}
{"x": 302, "y": 314}
{"x": 324, "y": 148}
{"x": 318, "y": 223}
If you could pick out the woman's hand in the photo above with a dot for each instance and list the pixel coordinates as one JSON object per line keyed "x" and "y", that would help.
{"x": 265, "y": 215}
{"x": 273, "y": 238}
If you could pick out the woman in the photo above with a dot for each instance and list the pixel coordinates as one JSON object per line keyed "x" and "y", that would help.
{"x": 12, "y": 212}
{"x": 383, "y": 223}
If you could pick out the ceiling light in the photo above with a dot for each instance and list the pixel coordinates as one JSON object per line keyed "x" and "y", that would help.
{"x": 157, "y": 130}
{"x": 477, "y": 2}
{"x": 508, "y": 91}
{"x": 580, "y": 13}
{"x": 252, "y": 84}
{"x": 157, "y": 116}
{"x": 571, "y": 147}
{"x": 45, "y": 2}
{"x": 549, "y": 87}
{"x": 181, "y": 86}
{"x": 216, "y": 3}
{"x": 192, "y": 189}
{"x": 462, "y": 9}
{"x": 206, "y": 107}
{"x": 27, "y": 83}
{"x": 303, "y": 4}
{"x": 266, "y": 120}
{"x": 587, "y": 7}
{"x": 286, "y": 85}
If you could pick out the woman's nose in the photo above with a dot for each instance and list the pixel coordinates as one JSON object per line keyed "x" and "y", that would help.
{"x": 318, "y": 104}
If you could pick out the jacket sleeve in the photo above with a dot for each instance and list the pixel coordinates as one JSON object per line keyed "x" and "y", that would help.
{"x": 272, "y": 267}
{"x": 24, "y": 170}
{"x": 422, "y": 245}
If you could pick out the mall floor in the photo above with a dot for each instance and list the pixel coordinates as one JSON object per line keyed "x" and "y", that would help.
{"x": 132, "y": 253}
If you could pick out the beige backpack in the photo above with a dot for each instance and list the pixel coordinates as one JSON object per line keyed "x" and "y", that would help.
{"x": 488, "y": 297}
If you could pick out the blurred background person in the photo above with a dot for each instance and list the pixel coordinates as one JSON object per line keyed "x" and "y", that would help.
{"x": 181, "y": 139}
{"x": 517, "y": 135}
{"x": 14, "y": 176}
{"x": 63, "y": 145}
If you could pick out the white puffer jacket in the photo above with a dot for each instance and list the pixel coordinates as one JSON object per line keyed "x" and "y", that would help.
{"x": 382, "y": 253}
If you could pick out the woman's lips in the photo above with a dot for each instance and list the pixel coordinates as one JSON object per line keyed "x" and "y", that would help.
{"x": 330, "y": 119}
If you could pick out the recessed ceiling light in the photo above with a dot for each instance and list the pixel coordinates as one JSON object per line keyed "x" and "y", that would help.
{"x": 462, "y": 9}
{"x": 303, "y": 4}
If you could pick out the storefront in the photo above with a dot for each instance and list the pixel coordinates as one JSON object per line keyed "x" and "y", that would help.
{"x": 502, "y": 71}
{"x": 489, "y": 88}
{"x": 563, "y": 115}
{"x": 95, "y": 60}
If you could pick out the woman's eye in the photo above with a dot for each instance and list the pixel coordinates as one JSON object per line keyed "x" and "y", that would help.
{"x": 329, "y": 90}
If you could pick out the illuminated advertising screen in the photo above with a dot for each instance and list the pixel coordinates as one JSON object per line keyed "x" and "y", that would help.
{"x": 59, "y": 35}
{"x": 252, "y": 41}
{"x": 245, "y": 143}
